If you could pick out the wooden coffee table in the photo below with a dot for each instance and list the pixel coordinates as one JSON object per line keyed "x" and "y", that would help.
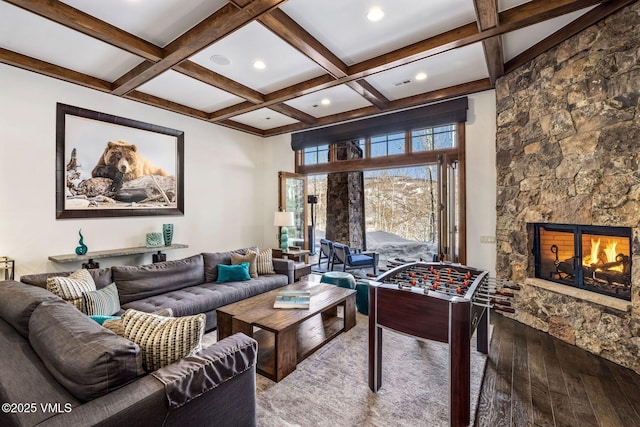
{"x": 287, "y": 336}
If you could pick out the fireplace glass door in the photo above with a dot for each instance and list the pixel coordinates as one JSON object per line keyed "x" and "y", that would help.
{"x": 594, "y": 258}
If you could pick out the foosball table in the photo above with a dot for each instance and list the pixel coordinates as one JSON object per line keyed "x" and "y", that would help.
{"x": 440, "y": 302}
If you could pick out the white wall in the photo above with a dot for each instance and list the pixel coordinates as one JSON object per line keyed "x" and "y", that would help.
{"x": 480, "y": 132}
{"x": 229, "y": 200}
{"x": 278, "y": 156}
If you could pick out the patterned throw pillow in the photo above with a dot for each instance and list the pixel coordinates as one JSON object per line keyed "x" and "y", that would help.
{"x": 71, "y": 288}
{"x": 264, "y": 262}
{"x": 117, "y": 326}
{"x": 249, "y": 257}
{"x": 163, "y": 340}
{"x": 103, "y": 302}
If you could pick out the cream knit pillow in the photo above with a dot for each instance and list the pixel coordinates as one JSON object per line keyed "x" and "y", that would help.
{"x": 163, "y": 340}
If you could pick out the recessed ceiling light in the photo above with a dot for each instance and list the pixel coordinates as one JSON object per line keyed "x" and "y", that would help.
{"x": 220, "y": 60}
{"x": 421, "y": 76}
{"x": 325, "y": 101}
{"x": 259, "y": 65}
{"x": 375, "y": 14}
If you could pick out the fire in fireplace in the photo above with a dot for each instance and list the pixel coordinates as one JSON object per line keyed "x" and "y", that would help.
{"x": 594, "y": 258}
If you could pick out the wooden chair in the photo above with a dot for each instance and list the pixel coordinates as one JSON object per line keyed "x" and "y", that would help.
{"x": 351, "y": 260}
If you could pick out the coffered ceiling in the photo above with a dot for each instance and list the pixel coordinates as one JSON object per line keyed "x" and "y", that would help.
{"x": 268, "y": 67}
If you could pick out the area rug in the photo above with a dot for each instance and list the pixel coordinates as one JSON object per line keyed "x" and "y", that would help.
{"x": 330, "y": 388}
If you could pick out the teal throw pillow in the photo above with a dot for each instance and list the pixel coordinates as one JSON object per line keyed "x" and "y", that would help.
{"x": 101, "y": 319}
{"x": 233, "y": 273}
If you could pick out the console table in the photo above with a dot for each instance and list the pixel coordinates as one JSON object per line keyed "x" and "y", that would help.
{"x": 90, "y": 256}
{"x": 9, "y": 267}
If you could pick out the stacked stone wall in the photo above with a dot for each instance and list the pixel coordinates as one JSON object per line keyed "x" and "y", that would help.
{"x": 568, "y": 152}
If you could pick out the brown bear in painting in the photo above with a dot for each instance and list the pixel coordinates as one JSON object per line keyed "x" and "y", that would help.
{"x": 122, "y": 162}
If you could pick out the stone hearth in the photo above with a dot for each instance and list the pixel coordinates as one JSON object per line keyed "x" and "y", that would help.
{"x": 568, "y": 151}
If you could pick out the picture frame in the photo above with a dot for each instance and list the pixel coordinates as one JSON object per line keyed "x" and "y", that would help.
{"x": 110, "y": 166}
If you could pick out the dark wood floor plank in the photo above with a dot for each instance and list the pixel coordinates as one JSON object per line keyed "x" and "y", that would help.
{"x": 484, "y": 411}
{"x": 540, "y": 395}
{"x": 629, "y": 383}
{"x": 504, "y": 378}
{"x": 560, "y": 401}
{"x": 521, "y": 406}
{"x": 623, "y": 407}
{"x": 602, "y": 405}
{"x": 580, "y": 404}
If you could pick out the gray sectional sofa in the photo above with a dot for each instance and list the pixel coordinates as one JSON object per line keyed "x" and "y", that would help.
{"x": 60, "y": 368}
{"x": 187, "y": 286}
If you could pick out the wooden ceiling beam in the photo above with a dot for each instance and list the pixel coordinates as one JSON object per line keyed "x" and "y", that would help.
{"x": 370, "y": 93}
{"x": 205, "y": 75}
{"x": 487, "y": 17}
{"x": 288, "y": 110}
{"x": 51, "y": 70}
{"x": 221, "y": 23}
{"x": 63, "y": 14}
{"x": 241, "y": 127}
{"x": 399, "y": 104}
{"x": 590, "y": 18}
{"x": 155, "y": 101}
{"x": 291, "y": 32}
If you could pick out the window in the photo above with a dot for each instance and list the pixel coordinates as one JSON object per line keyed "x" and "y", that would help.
{"x": 316, "y": 155}
{"x": 388, "y": 145}
{"x": 437, "y": 138}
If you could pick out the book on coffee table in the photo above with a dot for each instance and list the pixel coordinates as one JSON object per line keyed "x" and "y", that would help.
{"x": 292, "y": 299}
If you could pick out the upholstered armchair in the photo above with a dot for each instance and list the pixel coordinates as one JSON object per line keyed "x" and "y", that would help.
{"x": 351, "y": 260}
{"x": 326, "y": 252}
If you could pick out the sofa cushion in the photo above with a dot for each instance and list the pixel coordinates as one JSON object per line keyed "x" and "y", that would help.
{"x": 233, "y": 273}
{"x": 25, "y": 379}
{"x": 249, "y": 257}
{"x": 17, "y": 302}
{"x": 212, "y": 259}
{"x": 163, "y": 340}
{"x": 87, "y": 359}
{"x": 138, "y": 282}
{"x": 264, "y": 262}
{"x": 101, "y": 277}
{"x": 103, "y": 302}
{"x": 205, "y": 298}
{"x": 70, "y": 288}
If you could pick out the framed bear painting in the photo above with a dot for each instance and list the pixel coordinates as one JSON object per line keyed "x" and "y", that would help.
{"x": 110, "y": 166}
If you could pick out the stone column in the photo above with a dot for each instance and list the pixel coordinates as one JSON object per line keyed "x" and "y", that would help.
{"x": 345, "y": 201}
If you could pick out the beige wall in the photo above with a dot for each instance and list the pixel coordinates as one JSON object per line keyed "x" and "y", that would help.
{"x": 481, "y": 179}
{"x": 228, "y": 180}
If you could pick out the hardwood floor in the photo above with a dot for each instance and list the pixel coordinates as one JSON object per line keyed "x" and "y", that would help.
{"x": 534, "y": 379}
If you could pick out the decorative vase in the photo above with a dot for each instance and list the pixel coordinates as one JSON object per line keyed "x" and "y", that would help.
{"x": 154, "y": 240}
{"x": 167, "y": 233}
{"x": 82, "y": 249}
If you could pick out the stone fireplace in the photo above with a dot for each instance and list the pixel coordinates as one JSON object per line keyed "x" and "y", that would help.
{"x": 597, "y": 259}
{"x": 568, "y": 152}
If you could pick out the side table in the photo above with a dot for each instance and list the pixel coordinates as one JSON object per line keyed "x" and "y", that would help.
{"x": 9, "y": 267}
{"x": 298, "y": 255}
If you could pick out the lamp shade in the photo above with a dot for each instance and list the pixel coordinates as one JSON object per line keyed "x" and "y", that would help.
{"x": 283, "y": 219}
